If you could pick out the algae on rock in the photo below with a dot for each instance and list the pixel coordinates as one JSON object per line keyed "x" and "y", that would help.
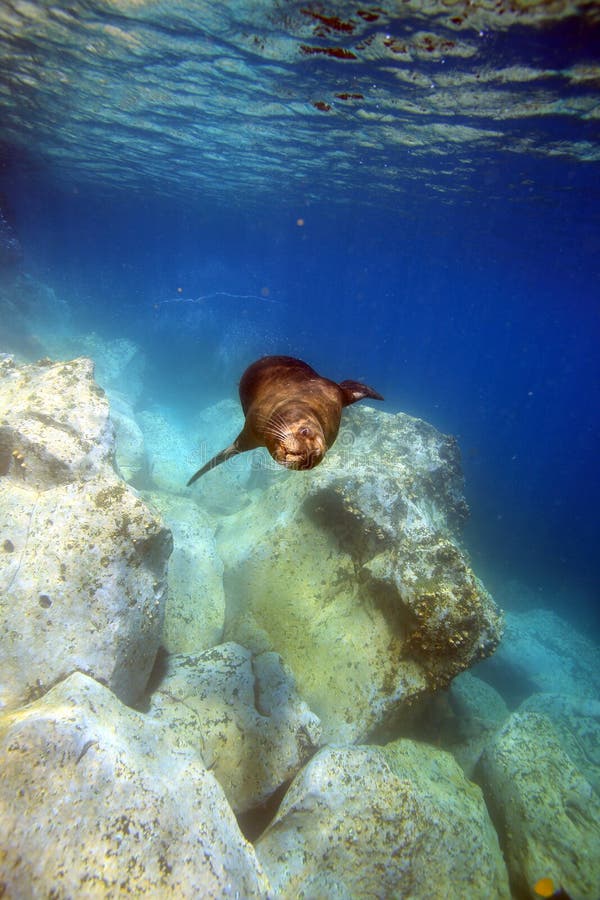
{"x": 355, "y": 574}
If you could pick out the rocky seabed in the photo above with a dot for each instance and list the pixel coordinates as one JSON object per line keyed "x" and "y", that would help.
{"x": 272, "y": 685}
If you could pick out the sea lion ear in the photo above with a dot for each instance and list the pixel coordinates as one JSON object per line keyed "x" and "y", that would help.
{"x": 354, "y": 390}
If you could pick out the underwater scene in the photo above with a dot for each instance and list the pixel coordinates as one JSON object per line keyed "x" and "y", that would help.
{"x": 299, "y": 449}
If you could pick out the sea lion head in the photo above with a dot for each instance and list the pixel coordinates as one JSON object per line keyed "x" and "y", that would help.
{"x": 294, "y": 438}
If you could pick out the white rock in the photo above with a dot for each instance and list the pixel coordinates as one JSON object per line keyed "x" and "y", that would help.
{"x": 99, "y": 801}
{"x": 546, "y": 812}
{"x": 168, "y": 449}
{"x": 119, "y": 362}
{"x": 130, "y": 452}
{"x": 244, "y": 716}
{"x": 55, "y": 425}
{"x": 82, "y": 558}
{"x": 195, "y": 610}
{"x": 542, "y": 653}
{"x": 370, "y": 822}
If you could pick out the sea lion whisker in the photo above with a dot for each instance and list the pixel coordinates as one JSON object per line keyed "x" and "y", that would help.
{"x": 264, "y": 421}
{"x": 270, "y": 420}
{"x": 280, "y": 432}
{"x": 279, "y": 419}
{"x": 276, "y": 426}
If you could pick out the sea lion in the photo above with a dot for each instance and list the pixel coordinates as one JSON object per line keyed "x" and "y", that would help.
{"x": 290, "y": 410}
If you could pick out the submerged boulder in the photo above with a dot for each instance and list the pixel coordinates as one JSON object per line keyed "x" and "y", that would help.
{"x": 460, "y": 720}
{"x": 546, "y": 812}
{"x": 577, "y": 723}
{"x": 97, "y": 801}
{"x": 195, "y": 609}
{"x": 55, "y": 427}
{"x": 167, "y": 449}
{"x": 543, "y": 653}
{"x": 242, "y": 714}
{"x": 28, "y": 310}
{"x": 175, "y": 451}
{"x": 354, "y": 571}
{"x": 398, "y": 821}
{"x": 82, "y": 559}
{"x": 130, "y": 452}
{"x": 119, "y": 362}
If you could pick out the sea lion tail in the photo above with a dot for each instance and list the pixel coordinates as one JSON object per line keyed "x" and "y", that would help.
{"x": 221, "y": 457}
{"x": 354, "y": 390}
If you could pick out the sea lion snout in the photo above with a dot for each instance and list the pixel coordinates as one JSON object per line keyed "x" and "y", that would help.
{"x": 301, "y": 446}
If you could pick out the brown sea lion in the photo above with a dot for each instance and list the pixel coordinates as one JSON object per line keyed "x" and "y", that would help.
{"x": 290, "y": 410}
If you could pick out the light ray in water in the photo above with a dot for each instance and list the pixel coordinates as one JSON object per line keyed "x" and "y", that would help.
{"x": 204, "y": 297}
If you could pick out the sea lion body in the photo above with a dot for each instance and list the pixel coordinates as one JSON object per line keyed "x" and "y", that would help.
{"x": 291, "y": 410}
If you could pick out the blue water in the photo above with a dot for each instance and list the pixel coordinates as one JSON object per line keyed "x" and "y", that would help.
{"x": 481, "y": 315}
{"x": 212, "y": 192}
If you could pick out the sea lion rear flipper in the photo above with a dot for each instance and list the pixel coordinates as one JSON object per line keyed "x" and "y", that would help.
{"x": 354, "y": 390}
{"x": 221, "y": 457}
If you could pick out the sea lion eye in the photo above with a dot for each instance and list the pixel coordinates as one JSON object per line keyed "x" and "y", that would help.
{"x": 304, "y": 431}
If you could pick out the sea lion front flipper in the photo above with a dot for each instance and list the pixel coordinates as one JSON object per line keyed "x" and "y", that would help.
{"x": 354, "y": 390}
{"x": 221, "y": 457}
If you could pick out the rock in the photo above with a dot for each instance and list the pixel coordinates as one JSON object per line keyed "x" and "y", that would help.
{"x": 541, "y": 653}
{"x": 399, "y": 821}
{"x": 175, "y": 454}
{"x": 97, "y": 801}
{"x": 130, "y": 453}
{"x": 577, "y": 724}
{"x": 479, "y": 711}
{"x": 460, "y": 720}
{"x": 119, "y": 362}
{"x": 55, "y": 425}
{"x": 82, "y": 559}
{"x": 546, "y": 813}
{"x": 244, "y": 717}
{"x": 353, "y": 572}
{"x": 84, "y": 569}
{"x": 195, "y": 610}
{"x": 215, "y": 428}
{"x": 168, "y": 450}
{"x": 28, "y": 309}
